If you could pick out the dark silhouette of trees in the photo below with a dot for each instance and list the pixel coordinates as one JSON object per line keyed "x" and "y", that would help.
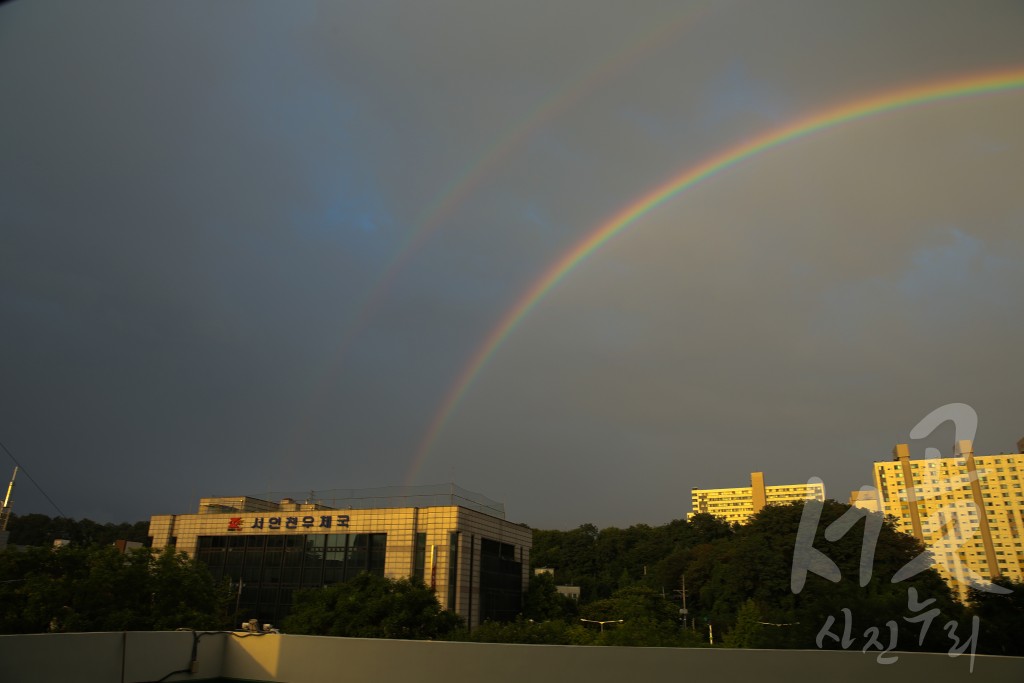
{"x": 370, "y": 606}
{"x": 739, "y": 581}
{"x": 1000, "y": 618}
{"x": 98, "y": 588}
{"x": 41, "y": 530}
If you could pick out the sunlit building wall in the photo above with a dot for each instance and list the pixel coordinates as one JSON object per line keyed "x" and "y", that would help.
{"x": 476, "y": 561}
{"x": 739, "y": 504}
{"x": 968, "y": 510}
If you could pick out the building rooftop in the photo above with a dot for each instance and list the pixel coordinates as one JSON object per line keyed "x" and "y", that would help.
{"x": 431, "y": 495}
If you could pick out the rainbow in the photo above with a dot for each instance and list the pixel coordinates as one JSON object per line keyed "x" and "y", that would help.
{"x": 516, "y": 136}
{"x": 844, "y": 113}
{"x": 461, "y": 188}
{"x": 455, "y": 194}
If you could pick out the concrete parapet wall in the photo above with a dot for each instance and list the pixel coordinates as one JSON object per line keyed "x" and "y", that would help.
{"x": 307, "y": 659}
{"x": 132, "y": 657}
{"x": 143, "y": 656}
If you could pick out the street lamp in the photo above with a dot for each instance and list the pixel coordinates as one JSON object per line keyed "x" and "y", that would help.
{"x": 609, "y": 621}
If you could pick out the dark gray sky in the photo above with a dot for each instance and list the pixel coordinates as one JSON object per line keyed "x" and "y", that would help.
{"x": 250, "y": 246}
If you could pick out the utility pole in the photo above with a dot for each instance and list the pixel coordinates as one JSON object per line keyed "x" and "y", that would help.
{"x": 5, "y": 510}
{"x": 682, "y": 591}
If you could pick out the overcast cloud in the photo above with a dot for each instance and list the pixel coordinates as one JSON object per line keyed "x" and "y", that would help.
{"x": 207, "y": 283}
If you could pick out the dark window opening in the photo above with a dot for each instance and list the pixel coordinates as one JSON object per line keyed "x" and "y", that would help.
{"x": 501, "y": 581}
{"x": 272, "y": 568}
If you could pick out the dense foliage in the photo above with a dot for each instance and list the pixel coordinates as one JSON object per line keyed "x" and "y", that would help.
{"x": 36, "y": 529}
{"x": 1001, "y": 617}
{"x": 371, "y": 607}
{"x": 542, "y": 601}
{"x": 601, "y": 561}
{"x": 98, "y": 588}
{"x": 740, "y": 591}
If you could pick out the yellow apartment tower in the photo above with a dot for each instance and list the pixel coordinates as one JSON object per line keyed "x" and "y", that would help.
{"x": 967, "y": 509}
{"x": 739, "y": 504}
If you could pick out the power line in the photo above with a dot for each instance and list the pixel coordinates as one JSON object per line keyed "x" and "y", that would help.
{"x": 34, "y": 482}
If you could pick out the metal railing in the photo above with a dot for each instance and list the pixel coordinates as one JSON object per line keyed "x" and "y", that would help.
{"x": 431, "y": 495}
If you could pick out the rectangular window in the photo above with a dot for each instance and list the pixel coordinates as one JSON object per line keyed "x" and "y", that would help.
{"x": 419, "y": 557}
{"x": 453, "y": 564}
{"x": 272, "y": 567}
{"x": 501, "y": 581}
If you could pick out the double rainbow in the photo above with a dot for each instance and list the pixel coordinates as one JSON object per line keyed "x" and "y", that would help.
{"x": 435, "y": 215}
{"x": 913, "y": 96}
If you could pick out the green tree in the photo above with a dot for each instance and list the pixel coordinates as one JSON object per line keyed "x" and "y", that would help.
{"x": 543, "y": 602}
{"x": 527, "y": 631}
{"x": 648, "y": 618}
{"x": 371, "y": 607}
{"x": 641, "y": 632}
{"x": 182, "y": 592}
{"x": 728, "y": 565}
{"x": 757, "y": 563}
{"x": 41, "y": 530}
{"x": 632, "y": 602}
{"x": 1000, "y": 618}
{"x": 99, "y": 589}
{"x": 748, "y": 628}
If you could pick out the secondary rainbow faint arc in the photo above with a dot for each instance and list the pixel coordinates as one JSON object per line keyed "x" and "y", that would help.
{"x": 513, "y": 138}
{"x": 849, "y": 111}
{"x": 455, "y": 194}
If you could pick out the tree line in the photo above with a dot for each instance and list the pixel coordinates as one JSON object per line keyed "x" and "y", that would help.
{"x": 740, "y": 590}
{"x": 98, "y": 588}
{"x": 39, "y": 530}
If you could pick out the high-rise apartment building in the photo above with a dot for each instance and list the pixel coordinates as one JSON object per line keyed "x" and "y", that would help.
{"x": 967, "y": 509}
{"x": 739, "y": 504}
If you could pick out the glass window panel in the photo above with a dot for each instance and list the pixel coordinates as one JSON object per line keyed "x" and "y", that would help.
{"x": 453, "y": 563}
{"x": 213, "y": 557}
{"x": 293, "y": 548}
{"x": 251, "y": 572}
{"x": 314, "y": 551}
{"x": 250, "y": 593}
{"x": 271, "y": 574}
{"x": 419, "y": 557}
{"x": 268, "y": 597}
{"x": 312, "y": 577}
{"x": 358, "y": 556}
{"x": 375, "y": 561}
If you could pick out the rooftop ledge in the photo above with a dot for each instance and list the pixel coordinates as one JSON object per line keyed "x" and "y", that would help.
{"x": 136, "y": 657}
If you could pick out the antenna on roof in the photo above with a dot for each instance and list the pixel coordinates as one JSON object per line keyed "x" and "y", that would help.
{"x": 5, "y": 511}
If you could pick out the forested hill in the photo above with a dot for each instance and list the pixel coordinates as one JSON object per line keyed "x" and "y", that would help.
{"x": 602, "y": 561}
{"x": 36, "y": 529}
{"x": 739, "y": 575}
